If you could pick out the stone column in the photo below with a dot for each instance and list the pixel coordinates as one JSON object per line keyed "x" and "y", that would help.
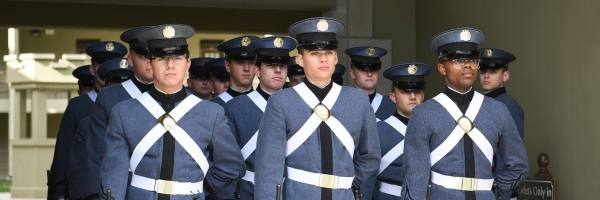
{"x": 39, "y": 116}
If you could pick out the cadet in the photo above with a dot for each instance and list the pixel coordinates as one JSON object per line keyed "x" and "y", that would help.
{"x": 295, "y": 73}
{"x": 78, "y": 108}
{"x": 408, "y": 83}
{"x": 219, "y": 75}
{"x": 199, "y": 79}
{"x": 168, "y": 159}
{"x": 240, "y": 64}
{"x": 493, "y": 74}
{"x": 338, "y": 74}
{"x": 113, "y": 72}
{"x": 450, "y": 140}
{"x": 85, "y": 79}
{"x": 86, "y": 84}
{"x": 316, "y": 149}
{"x": 246, "y": 111}
{"x": 365, "y": 65}
{"x": 108, "y": 98}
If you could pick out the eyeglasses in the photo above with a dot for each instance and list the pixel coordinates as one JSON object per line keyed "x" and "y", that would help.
{"x": 164, "y": 61}
{"x": 460, "y": 63}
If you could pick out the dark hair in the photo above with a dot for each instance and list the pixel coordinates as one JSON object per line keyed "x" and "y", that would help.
{"x": 300, "y": 49}
{"x": 258, "y": 63}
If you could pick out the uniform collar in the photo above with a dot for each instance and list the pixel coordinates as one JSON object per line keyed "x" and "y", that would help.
{"x": 142, "y": 86}
{"x": 319, "y": 92}
{"x": 167, "y": 101}
{"x": 401, "y": 117}
{"x": 462, "y": 100}
{"x": 495, "y": 93}
{"x": 235, "y": 93}
{"x": 263, "y": 93}
{"x": 372, "y": 96}
{"x": 459, "y": 98}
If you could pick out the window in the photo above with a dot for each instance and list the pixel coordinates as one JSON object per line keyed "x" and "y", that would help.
{"x": 208, "y": 49}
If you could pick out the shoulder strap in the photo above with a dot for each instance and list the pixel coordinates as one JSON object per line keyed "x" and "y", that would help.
{"x": 92, "y": 95}
{"x": 376, "y": 102}
{"x": 225, "y": 96}
{"x": 131, "y": 89}
{"x": 258, "y": 100}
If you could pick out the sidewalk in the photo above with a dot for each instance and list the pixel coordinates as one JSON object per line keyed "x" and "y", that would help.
{"x": 6, "y": 196}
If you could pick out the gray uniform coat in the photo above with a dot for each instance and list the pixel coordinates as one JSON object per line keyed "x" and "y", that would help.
{"x": 516, "y": 112}
{"x": 389, "y": 137}
{"x": 78, "y": 156}
{"x": 430, "y": 124}
{"x": 130, "y": 122}
{"x": 95, "y": 145}
{"x": 245, "y": 116}
{"x": 77, "y": 109}
{"x": 386, "y": 108}
{"x": 286, "y": 112}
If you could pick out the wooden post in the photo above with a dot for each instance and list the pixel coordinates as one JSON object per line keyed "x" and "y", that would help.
{"x": 543, "y": 162}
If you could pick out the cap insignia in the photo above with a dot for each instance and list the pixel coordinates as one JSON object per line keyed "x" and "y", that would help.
{"x": 412, "y": 69}
{"x": 110, "y": 46}
{"x": 123, "y": 64}
{"x": 322, "y": 25}
{"x": 278, "y": 42}
{"x": 168, "y": 32}
{"x": 488, "y": 52}
{"x": 465, "y": 35}
{"x": 245, "y": 41}
{"x": 370, "y": 51}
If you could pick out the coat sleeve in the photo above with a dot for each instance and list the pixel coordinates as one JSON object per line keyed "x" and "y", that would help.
{"x": 514, "y": 156}
{"x": 368, "y": 151}
{"x": 270, "y": 151}
{"x": 95, "y": 141}
{"x": 228, "y": 163}
{"x": 416, "y": 157}
{"x": 114, "y": 171}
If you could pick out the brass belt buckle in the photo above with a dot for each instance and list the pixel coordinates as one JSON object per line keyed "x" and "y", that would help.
{"x": 165, "y": 187}
{"x": 322, "y": 111}
{"x": 468, "y": 184}
{"x": 328, "y": 181}
{"x": 465, "y": 123}
{"x": 167, "y": 121}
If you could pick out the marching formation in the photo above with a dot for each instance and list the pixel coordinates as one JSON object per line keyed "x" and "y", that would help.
{"x": 135, "y": 131}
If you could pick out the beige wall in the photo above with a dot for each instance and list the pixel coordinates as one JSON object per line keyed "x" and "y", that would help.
{"x": 394, "y": 20}
{"x": 554, "y": 77}
{"x": 64, "y": 40}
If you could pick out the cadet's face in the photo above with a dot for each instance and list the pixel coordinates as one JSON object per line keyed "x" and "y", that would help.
{"x": 169, "y": 72}
{"x": 406, "y": 100}
{"x": 295, "y": 80}
{"x": 271, "y": 76}
{"x": 200, "y": 87}
{"x": 140, "y": 68}
{"x": 364, "y": 80}
{"x": 219, "y": 86}
{"x": 318, "y": 65}
{"x": 459, "y": 79}
{"x": 242, "y": 72}
{"x": 94, "y": 69}
{"x": 492, "y": 79}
